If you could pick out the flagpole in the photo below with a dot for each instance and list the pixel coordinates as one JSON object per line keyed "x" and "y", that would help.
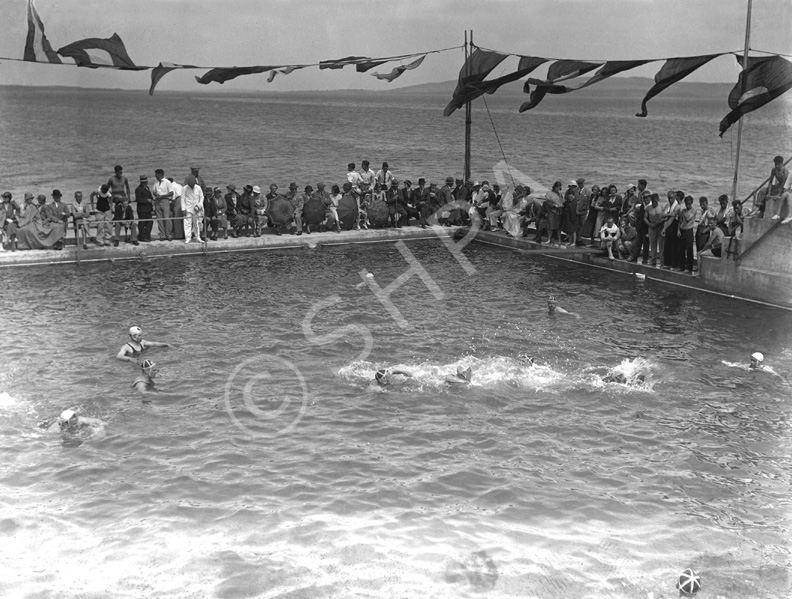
{"x": 468, "y": 119}
{"x": 742, "y": 91}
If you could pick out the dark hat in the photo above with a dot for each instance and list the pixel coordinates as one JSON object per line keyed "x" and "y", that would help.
{"x": 195, "y": 168}
{"x": 580, "y": 180}
{"x": 449, "y": 179}
{"x": 347, "y": 186}
{"x": 320, "y": 185}
{"x": 143, "y": 178}
{"x": 459, "y": 180}
{"x": 394, "y": 182}
{"x": 308, "y": 188}
{"x": 231, "y": 187}
{"x": 56, "y": 193}
{"x": 6, "y": 194}
{"x": 292, "y": 185}
{"x": 28, "y": 196}
{"x": 421, "y": 181}
{"x": 407, "y": 182}
{"x": 248, "y": 188}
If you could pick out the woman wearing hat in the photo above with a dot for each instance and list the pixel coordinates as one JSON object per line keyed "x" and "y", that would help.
{"x": 47, "y": 229}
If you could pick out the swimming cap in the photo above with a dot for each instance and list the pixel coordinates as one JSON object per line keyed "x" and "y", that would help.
{"x": 379, "y": 374}
{"x": 147, "y": 365}
{"x": 67, "y": 415}
{"x": 135, "y": 331}
{"x": 757, "y": 356}
{"x": 552, "y": 298}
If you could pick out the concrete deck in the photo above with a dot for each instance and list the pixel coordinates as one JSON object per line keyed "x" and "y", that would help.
{"x": 268, "y": 241}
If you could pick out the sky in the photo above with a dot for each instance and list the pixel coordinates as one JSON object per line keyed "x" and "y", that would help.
{"x": 272, "y": 32}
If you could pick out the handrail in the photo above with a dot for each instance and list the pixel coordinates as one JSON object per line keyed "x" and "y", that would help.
{"x": 755, "y": 243}
{"x": 765, "y": 182}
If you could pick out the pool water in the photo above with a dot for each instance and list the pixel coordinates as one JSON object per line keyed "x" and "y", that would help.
{"x": 272, "y": 466}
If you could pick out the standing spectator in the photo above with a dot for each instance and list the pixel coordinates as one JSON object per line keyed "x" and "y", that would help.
{"x": 569, "y": 217}
{"x": 668, "y": 237}
{"x": 119, "y": 185}
{"x": 581, "y": 209}
{"x": 367, "y": 176}
{"x": 774, "y": 190}
{"x": 82, "y": 221}
{"x": 232, "y": 209}
{"x": 687, "y": 225}
{"x": 124, "y": 217}
{"x": 194, "y": 171}
{"x": 385, "y": 176}
{"x": 176, "y": 209}
{"x": 163, "y": 198}
{"x": 706, "y": 215}
{"x": 145, "y": 209}
{"x": 723, "y": 214}
{"x": 8, "y": 220}
{"x": 192, "y": 198}
{"x": 654, "y": 219}
{"x": 735, "y": 226}
{"x": 104, "y": 215}
{"x": 552, "y": 205}
{"x": 221, "y": 212}
{"x": 641, "y": 247}
{"x": 353, "y": 177}
{"x": 392, "y": 201}
{"x": 210, "y": 214}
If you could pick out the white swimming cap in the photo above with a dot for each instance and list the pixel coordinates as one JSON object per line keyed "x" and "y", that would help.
{"x": 67, "y": 415}
{"x": 757, "y": 356}
{"x": 135, "y": 331}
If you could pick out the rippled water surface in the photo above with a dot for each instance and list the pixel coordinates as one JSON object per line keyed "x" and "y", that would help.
{"x": 272, "y": 467}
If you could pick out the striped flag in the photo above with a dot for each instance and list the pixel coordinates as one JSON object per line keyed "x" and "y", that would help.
{"x": 37, "y": 46}
{"x": 96, "y": 52}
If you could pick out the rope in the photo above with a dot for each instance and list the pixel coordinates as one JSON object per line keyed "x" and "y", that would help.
{"x": 492, "y": 122}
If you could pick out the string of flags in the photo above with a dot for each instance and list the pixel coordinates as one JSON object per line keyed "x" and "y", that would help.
{"x": 96, "y": 53}
{"x": 764, "y": 79}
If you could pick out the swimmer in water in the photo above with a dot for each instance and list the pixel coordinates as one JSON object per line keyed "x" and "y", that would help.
{"x": 553, "y": 308}
{"x": 462, "y": 377}
{"x": 70, "y": 422}
{"x": 144, "y": 383}
{"x": 132, "y": 349}
{"x": 618, "y": 377}
{"x": 756, "y": 364}
{"x": 385, "y": 377}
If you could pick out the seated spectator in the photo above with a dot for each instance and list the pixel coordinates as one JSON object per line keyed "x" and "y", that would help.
{"x": 723, "y": 214}
{"x": 714, "y": 244}
{"x": 47, "y": 228}
{"x": 609, "y": 236}
{"x": 770, "y": 198}
{"x": 735, "y": 222}
{"x": 124, "y": 217}
{"x": 627, "y": 238}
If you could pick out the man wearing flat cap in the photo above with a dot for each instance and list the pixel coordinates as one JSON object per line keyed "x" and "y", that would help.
{"x": 145, "y": 209}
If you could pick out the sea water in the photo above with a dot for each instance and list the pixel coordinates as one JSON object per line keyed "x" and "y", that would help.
{"x": 271, "y": 466}
{"x": 70, "y": 139}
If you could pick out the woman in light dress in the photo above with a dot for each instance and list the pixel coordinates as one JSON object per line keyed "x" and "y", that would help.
{"x": 515, "y": 207}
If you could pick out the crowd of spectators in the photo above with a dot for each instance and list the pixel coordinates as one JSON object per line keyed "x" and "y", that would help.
{"x": 630, "y": 226}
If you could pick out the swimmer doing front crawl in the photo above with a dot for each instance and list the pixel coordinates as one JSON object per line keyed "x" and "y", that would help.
{"x": 385, "y": 377}
{"x": 133, "y": 348}
{"x": 70, "y": 422}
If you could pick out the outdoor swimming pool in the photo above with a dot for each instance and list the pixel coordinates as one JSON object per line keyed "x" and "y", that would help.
{"x": 272, "y": 467}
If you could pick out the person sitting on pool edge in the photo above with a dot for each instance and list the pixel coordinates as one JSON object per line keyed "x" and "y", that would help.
{"x": 385, "y": 377}
{"x": 130, "y": 351}
{"x": 144, "y": 383}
